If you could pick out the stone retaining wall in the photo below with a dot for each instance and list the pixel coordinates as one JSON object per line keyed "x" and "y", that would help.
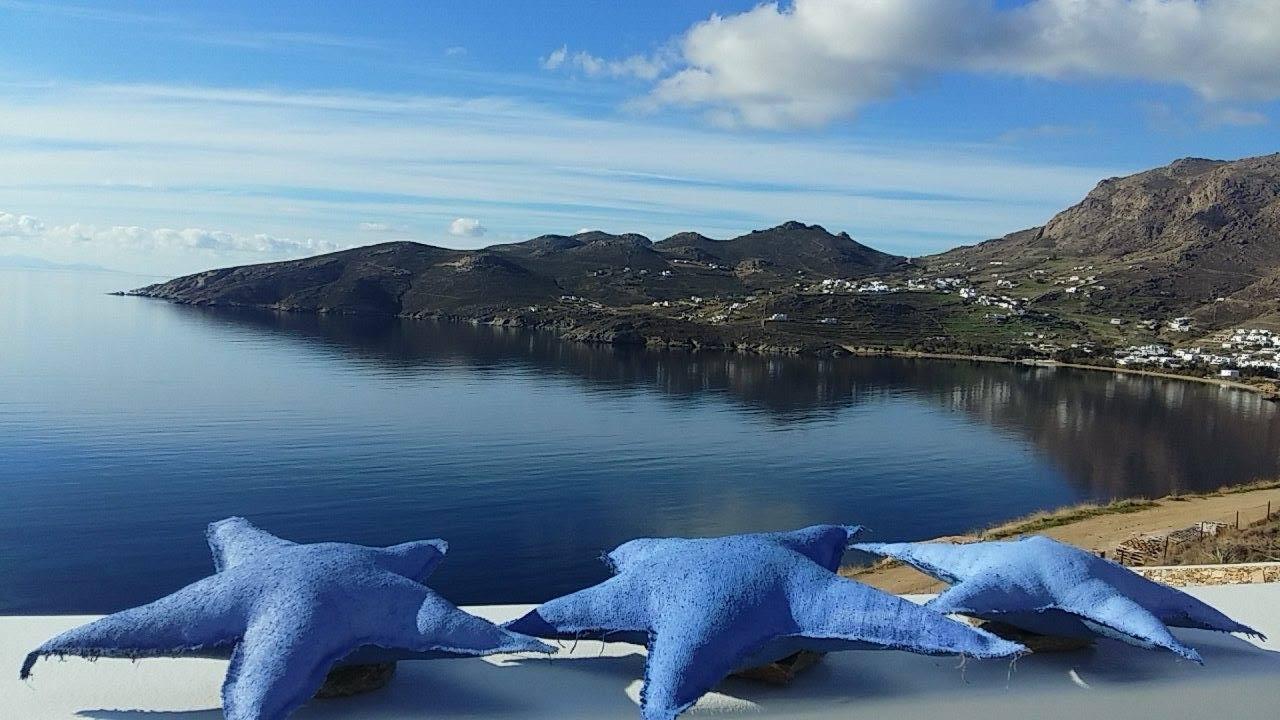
{"x": 1242, "y": 574}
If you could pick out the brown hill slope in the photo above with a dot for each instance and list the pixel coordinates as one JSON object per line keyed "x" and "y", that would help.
{"x": 783, "y": 254}
{"x": 408, "y": 278}
{"x": 1169, "y": 240}
{"x": 1196, "y": 237}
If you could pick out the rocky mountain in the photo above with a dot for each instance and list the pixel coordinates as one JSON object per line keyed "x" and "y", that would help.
{"x": 406, "y": 278}
{"x": 779, "y": 254}
{"x": 1196, "y": 236}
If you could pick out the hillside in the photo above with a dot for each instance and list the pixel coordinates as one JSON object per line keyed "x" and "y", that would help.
{"x": 596, "y": 268}
{"x": 1197, "y": 238}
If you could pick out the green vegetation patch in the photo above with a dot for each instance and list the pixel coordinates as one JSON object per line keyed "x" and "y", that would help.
{"x": 1064, "y": 516}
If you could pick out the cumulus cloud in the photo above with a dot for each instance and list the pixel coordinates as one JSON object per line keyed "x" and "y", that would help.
{"x": 16, "y": 227}
{"x": 643, "y": 67}
{"x": 235, "y": 158}
{"x": 814, "y": 61}
{"x": 555, "y": 60}
{"x": 383, "y": 228}
{"x": 466, "y": 227}
{"x": 136, "y": 238}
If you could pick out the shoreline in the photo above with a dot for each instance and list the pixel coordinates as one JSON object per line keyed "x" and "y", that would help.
{"x": 1266, "y": 394}
{"x": 763, "y": 347}
{"x": 1098, "y": 531}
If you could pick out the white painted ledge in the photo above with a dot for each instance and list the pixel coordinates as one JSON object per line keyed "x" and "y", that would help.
{"x": 1240, "y": 680}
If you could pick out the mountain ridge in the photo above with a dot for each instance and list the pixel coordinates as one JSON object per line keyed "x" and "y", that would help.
{"x": 1197, "y": 238}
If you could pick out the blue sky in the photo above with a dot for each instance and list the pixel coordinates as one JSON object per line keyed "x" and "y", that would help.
{"x": 168, "y": 137}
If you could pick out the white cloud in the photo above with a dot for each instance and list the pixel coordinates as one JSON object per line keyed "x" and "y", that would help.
{"x": 643, "y": 67}
{"x": 16, "y": 227}
{"x": 81, "y": 240}
{"x": 1233, "y": 117}
{"x": 455, "y": 51}
{"x": 383, "y": 228}
{"x": 316, "y": 164}
{"x": 466, "y": 227}
{"x": 555, "y": 59}
{"x": 1163, "y": 117}
{"x": 814, "y": 61}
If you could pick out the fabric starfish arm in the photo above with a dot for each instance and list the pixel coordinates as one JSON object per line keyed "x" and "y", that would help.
{"x": 823, "y": 544}
{"x": 841, "y": 609}
{"x": 418, "y": 619}
{"x": 686, "y": 661}
{"x": 280, "y": 664}
{"x": 613, "y": 606}
{"x": 976, "y": 597}
{"x": 1123, "y": 619}
{"x": 945, "y": 561}
{"x": 414, "y": 560}
{"x": 197, "y": 619}
{"x": 1177, "y": 608}
{"x": 234, "y": 539}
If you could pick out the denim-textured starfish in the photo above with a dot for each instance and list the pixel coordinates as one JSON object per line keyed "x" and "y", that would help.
{"x": 1048, "y": 587}
{"x": 707, "y": 607}
{"x": 287, "y": 613}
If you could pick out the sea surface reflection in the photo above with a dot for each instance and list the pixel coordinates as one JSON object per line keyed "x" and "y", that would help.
{"x": 127, "y": 424}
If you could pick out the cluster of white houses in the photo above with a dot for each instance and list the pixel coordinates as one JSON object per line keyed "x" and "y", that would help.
{"x": 1245, "y": 349}
{"x": 833, "y": 286}
{"x": 944, "y": 285}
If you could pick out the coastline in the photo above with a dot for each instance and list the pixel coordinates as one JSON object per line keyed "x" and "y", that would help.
{"x": 1267, "y": 394}
{"x": 760, "y": 347}
{"x": 1098, "y": 531}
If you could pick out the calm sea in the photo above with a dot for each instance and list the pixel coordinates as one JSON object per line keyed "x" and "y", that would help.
{"x": 126, "y": 425}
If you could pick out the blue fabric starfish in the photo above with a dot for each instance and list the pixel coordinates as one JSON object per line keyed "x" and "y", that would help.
{"x": 708, "y": 607}
{"x": 1051, "y": 588}
{"x": 287, "y": 613}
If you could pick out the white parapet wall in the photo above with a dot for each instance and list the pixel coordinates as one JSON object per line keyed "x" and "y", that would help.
{"x": 1239, "y": 680}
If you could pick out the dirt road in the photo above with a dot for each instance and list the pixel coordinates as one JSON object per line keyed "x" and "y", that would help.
{"x": 1105, "y": 532}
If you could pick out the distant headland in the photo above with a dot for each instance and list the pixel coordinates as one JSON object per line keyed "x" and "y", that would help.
{"x": 1176, "y": 268}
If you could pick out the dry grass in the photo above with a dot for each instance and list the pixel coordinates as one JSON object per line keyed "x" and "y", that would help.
{"x": 853, "y": 571}
{"x": 1257, "y": 543}
{"x": 1043, "y": 520}
{"x": 1034, "y": 522}
{"x": 1256, "y": 547}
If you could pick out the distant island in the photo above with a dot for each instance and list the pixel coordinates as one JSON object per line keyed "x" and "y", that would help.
{"x": 1175, "y": 268}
